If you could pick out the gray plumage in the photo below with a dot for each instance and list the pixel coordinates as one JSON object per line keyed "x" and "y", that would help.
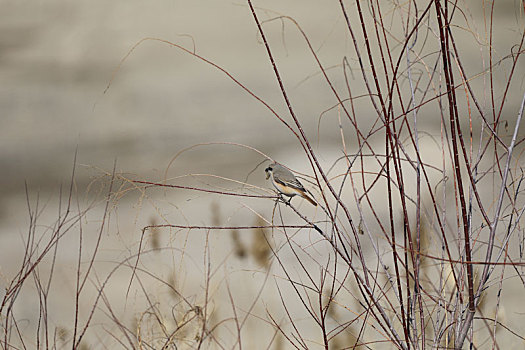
{"x": 286, "y": 183}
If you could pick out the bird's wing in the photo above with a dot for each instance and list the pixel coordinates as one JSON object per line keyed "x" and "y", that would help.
{"x": 291, "y": 183}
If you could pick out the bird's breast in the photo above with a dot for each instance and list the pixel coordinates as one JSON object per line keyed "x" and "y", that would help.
{"x": 289, "y": 191}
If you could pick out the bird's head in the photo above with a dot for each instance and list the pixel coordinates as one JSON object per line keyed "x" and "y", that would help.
{"x": 269, "y": 170}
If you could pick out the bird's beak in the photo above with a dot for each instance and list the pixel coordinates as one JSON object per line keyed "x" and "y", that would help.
{"x": 267, "y": 173}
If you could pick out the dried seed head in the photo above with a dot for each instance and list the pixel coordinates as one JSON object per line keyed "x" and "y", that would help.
{"x": 261, "y": 249}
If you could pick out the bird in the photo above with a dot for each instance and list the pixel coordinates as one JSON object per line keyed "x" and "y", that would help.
{"x": 286, "y": 183}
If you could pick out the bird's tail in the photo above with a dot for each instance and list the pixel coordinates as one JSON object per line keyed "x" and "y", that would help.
{"x": 308, "y": 198}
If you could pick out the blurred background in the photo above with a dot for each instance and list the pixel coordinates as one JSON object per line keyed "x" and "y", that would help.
{"x": 65, "y": 88}
{"x": 58, "y": 57}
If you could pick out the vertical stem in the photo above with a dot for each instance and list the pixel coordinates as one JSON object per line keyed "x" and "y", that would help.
{"x": 443, "y": 33}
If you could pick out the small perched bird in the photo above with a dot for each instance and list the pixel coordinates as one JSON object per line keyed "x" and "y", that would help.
{"x": 286, "y": 183}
